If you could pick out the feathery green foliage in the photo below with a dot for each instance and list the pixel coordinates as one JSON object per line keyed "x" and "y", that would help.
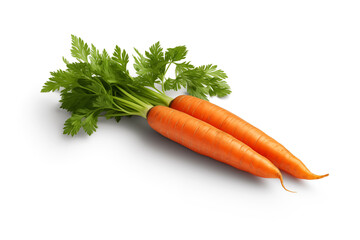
{"x": 100, "y": 85}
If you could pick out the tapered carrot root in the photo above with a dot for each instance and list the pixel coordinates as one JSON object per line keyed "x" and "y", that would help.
{"x": 245, "y": 132}
{"x": 207, "y": 140}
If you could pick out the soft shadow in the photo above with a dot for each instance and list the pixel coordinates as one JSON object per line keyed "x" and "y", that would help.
{"x": 150, "y": 137}
{"x": 55, "y": 117}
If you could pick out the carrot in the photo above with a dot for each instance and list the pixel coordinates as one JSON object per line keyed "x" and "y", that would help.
{"x": 99, "y": 85}
{"x": 207, "y": 140}
{"x": 245, "y": 132}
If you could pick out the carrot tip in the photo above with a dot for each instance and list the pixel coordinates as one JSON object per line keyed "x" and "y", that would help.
{"x": 282, "y": 184}
{"x": 314, "y": 176}
{"x": 322, "y": 176}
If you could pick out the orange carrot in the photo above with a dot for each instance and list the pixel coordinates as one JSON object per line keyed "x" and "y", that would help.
{"x": 245, "y": 132}
{"x": 207, "y": 140}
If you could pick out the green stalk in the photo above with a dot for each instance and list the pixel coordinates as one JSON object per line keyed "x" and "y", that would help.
{"x": 132, "y": 97}
{"x": 161, "y": 96}
{"x": 140, "y": 110}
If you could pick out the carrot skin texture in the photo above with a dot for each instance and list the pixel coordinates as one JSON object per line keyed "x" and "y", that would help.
{"x": 245, "y": 132}
{"x": 207, "y": 140}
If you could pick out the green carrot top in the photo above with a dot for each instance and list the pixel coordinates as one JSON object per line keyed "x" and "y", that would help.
{"x": 98, "y": 84}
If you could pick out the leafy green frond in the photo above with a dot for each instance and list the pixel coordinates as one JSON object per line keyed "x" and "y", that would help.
{"x": 156, "y": 60}
{"x": 105, "y": 55}
{"x": 94, "y": 54}
{"x": 73, "y": 124}
{"x": 156, "y": 53}
{"x": 197, "y": 92}
{"x": 95, "y": 60}
{"x": 176, "y": 54}
{"x": 174, "y": 84}
{"x": 59, "y": 79}
{"x": 181, "y": 67}
{"x": 150, "y": 67}
{"x": 211, "y": 70}
{"x": 196, "y": 82}
{"x": 200, "y": 82}
{"x": 77, "y": 99}
{"x": 143, "y": 70}
{"x": 141, "y": 64}
{"x": 78, "y": 70}
{"x": 121, "y": 57}
{"x": 79, "y": 49}
{"x": 50, "y": 86}
{"x": 87, "y": 121}
{"x": 65, "y": 61}
{"x": 101, "y": 64}
{"x": 145, "y": 80}
{"x": 103, "y": 101}
{"x": 219, "y": 88}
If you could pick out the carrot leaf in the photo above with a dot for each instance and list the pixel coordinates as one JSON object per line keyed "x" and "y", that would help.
{"x": 121, "y": 57}
{"x": 79, "y": 50}
{"x": 176, "y": 54}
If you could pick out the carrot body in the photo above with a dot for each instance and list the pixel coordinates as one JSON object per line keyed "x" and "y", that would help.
{"x": 207, "y": 140}
{"x": 245, "y": 132}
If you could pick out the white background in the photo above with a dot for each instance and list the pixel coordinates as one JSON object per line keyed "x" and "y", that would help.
{"x": 294, "y": 70}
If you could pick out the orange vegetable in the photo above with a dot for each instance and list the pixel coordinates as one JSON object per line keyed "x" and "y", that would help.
{"x": 245, "y": 132}
{"x": 207, "y": 140}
